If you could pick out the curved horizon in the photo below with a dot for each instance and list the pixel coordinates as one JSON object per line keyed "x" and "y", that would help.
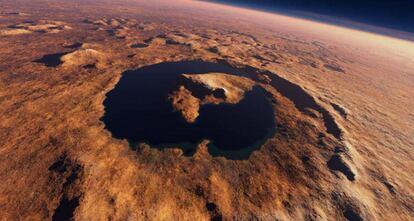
{"x": 326, "y": 19}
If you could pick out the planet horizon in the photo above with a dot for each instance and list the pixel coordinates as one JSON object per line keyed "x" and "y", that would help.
{"x": 196, "y": 110}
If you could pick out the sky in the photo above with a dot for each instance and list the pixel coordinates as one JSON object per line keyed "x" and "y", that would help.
{"x": 394, "y": 14}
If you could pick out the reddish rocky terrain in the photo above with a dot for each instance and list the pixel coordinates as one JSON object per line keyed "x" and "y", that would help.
{"x": 342, "y": 101}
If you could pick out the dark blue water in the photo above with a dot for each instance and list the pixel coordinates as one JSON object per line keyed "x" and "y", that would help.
{"x": 137, "y": 109}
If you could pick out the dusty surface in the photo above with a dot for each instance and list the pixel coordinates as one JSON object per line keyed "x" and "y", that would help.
{"x": 341, "y": 151}
{"x": 183, "y": 101}
{"x": 29, "y": 27}
{"x": 211, "y": 88}
{"x": 232, "y": 87}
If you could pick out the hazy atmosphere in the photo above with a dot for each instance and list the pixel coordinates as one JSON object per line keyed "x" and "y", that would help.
{"x": 196, "y": 110}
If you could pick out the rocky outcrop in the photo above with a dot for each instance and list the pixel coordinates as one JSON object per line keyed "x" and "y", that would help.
{"x": 185, "y": 103}
{"x": 210, "y": 88}
{"x": 32, "y": 27}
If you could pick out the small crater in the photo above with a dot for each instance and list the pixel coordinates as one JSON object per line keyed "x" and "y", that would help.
{"x": 347, "y": 207}
{"x": 219, "y": 93}
{"x": 305, "y": 159}
{"x": 51, "y": 60}
{"x": 90, "y": 66}
{"x": 211, "y": 206}
{"x": 139, "y": 45}
{"x": 336, "y": 163}
{"x": 351, "y": 215}
{"x": 334, "y": 67}
{"x": 214, "y": 212}
{"x": 66, "y": 209}
{"x": 213, "y": 49}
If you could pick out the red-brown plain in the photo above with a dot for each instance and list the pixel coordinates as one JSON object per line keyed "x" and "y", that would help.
{"x": 55, "y": 150}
